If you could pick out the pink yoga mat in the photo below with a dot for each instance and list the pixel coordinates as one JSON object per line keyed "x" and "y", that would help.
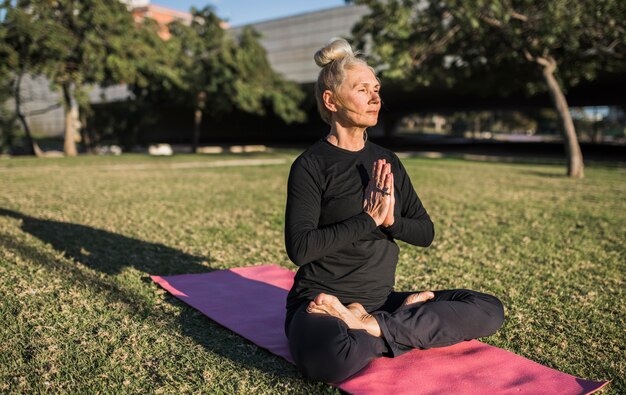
{"x": 251, "y": 302}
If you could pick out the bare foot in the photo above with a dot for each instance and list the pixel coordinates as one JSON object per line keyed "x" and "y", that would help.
{"x": 419, "y": 297}
{"x": 371, "y": 325}
{"x": 354, "y": 316}
{"x": 357, "y": 309}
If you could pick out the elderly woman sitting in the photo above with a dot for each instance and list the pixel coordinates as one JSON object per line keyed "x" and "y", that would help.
{"x": 348, "y": 201}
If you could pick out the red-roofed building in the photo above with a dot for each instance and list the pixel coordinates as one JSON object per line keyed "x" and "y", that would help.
{"x": 162, "y": 15}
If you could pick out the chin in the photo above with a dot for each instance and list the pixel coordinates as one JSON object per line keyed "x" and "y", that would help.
{"x": 372, "y": 122}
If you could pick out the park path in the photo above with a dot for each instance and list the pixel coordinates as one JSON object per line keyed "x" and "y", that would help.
{"x": 158, "y": 166}
{"x": 197, "y": 165}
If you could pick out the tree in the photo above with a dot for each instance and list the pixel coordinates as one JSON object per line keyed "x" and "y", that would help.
{"x": 21, "y": 46}
{"x": 7, "y": 117}
{"x": 157, "y": 76}
{"x": 502, "y": 45}
{"x": 84, "y": 42}
{"x": 221, "y": 73}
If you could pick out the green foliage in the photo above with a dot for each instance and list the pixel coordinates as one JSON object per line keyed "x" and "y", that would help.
{"x": 232, "y": 72}
{"x": 24, "y": 41}
{"x": 8, "y": 127}
{"x": 494, "y": 46}
{"x": 89, "y": 41}
{"x": 259, "y": 87}
{"x": 77, "y": 43}
{"x": 7, "y": 119}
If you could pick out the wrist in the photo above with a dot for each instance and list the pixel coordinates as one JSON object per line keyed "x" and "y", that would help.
{"x": 387, "y": 223}
{"x": 391, "y": 228}
{"x": 376, "y": 219}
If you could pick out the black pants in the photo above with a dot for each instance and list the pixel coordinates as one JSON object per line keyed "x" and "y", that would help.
{"x": 325, "y": 349}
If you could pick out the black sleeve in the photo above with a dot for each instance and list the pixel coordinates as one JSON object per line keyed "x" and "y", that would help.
{"x": 412, "y": 224}
{"x": 304, "y": 241}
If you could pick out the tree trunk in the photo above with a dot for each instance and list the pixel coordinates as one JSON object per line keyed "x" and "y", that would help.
{"x": 597, "y": 132}
{"x": 476, "y": 132}
{"x": 575, "y": 167}
{"x": 69, "y": 144}
{"x": 86, "y": 135}
{"x": 197, "y": 123}
{"x": 33, "y": 146}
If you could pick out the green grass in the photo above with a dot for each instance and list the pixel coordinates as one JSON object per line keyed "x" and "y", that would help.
{"x": 79, "y": 237}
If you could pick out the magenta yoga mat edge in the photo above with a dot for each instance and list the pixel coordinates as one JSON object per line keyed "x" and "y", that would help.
{"x": 179, "y": 295}
{"x": 466, "y": 368}
{"x": 602, "y": 385}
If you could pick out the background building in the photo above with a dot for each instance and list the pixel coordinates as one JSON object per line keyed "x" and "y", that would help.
{"x": 291, "y": 42}
{"x": 161, "y": 15}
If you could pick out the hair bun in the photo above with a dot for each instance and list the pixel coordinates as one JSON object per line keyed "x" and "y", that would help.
{"x": 336, "y": 49}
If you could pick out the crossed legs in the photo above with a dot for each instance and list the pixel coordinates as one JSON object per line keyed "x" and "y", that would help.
{"x": 354, "y": 315}
{"x": 331, "y": 342}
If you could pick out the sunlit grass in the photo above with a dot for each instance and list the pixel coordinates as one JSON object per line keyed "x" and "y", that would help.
{"x": 79, "y": 238}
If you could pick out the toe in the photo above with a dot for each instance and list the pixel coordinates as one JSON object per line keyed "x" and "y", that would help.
{"x": 426, "y": 295}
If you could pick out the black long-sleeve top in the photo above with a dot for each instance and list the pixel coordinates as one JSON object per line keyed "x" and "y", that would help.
{"x": 337, "y": 246}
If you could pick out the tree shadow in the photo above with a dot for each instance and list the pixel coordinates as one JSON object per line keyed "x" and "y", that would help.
{"x": 110, "y": 253}
{"x": 545, "y": 174}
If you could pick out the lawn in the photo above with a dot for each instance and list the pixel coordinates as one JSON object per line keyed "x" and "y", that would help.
{"x": 80, "y": 236}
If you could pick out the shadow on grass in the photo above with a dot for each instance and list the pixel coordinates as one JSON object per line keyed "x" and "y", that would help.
{"x": 546, "y": 174}
{"x": 109, "y": 253}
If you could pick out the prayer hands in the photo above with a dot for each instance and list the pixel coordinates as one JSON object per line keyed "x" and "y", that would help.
{"x": 379, "y": 195}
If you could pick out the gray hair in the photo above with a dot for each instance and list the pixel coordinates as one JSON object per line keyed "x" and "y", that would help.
{"x": 334, "y": 59}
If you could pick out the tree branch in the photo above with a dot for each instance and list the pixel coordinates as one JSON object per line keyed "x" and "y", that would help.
{"x": 498, "y": 23}
{"x": 435, "y": 46}
{"x": 43, "y": 110}
{"x": 491, "y": 21}
{"x": 518, "y": 16}
{"x": 546, "y": 61}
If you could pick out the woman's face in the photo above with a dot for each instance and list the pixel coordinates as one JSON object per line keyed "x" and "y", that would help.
{"x": 358, "y": 101}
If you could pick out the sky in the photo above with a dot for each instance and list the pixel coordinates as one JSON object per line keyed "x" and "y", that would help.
{"x": 241, "y": 12}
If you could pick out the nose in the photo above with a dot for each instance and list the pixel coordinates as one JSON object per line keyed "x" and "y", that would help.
{"x": 374, "y": 97}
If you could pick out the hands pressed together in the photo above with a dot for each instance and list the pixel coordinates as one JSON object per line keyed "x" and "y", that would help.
{"x": 379, "y": 199}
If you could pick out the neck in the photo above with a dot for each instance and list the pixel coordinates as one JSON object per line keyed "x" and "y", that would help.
{"x": 348, "y": 138}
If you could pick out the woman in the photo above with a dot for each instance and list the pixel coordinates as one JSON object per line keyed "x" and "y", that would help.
{"x": 348, "y": 200}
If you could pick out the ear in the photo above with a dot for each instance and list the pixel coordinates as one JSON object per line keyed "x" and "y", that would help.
{"x": 329, "y": 101}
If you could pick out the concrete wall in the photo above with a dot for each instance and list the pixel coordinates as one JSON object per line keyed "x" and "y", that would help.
{"x": 291, "y": 42}
{"x": 44, "y": 109}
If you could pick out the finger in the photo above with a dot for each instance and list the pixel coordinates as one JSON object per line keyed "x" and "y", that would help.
{"x": 374, "y": 170}
{"x": 388, "y": 183}
{"x": 387, "y": 169}
{"x": 376, "y": 199}
{"x": 379, "y": 173}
